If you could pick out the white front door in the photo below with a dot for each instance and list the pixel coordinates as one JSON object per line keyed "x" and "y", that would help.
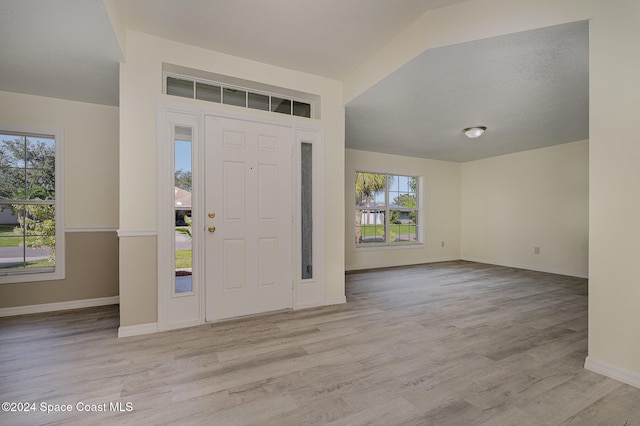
{"x": 248, "y": 199}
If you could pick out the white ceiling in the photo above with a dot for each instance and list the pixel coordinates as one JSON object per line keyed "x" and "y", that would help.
{"x": 323, "y": 37}
{"x": 530, "y": 90}
{"x": 512, "y": 84}
{"x": 60, "y": 49}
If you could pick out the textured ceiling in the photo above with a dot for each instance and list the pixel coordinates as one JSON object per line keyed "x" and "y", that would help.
{"x": 68, "y": 48}
{"x": 328, "y": 37}
{"x": 60, "y": 49}
{"x": 530, "y": 89}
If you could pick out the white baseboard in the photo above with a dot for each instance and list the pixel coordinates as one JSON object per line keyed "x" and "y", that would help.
{"x": 335, "y": 300}
{"x": 137, "y": 330}
{"x": 612, "y": 372}
{"x": 529, "y": 267}
{"x": 59, "y": 306}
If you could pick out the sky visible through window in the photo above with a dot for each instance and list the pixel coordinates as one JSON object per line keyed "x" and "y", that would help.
{"x": 396, "y": 184}
{"x": 183, "y": 155}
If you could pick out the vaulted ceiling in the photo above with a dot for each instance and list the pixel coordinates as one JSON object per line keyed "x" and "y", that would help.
{"x": 530, "y": 89}
{"x": 62, "y": 49}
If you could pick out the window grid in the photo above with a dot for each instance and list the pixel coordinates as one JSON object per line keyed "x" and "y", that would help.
{"x": 188, "y": 87}
{"x": 386, "y": 209}
{"x": 27, "y": 200}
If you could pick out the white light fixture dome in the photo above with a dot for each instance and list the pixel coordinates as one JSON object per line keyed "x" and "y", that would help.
{"x": 474, "y": 132}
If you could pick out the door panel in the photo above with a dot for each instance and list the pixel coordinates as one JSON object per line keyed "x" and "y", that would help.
{"x": 248, "y": 179}
{"x": 267, "y": 192}
{"x": 268, "y": 261}
{"x": 234, "y": 191}
{"x": 233, "y": 264}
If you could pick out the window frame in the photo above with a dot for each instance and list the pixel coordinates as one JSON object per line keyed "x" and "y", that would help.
{"x": 387, "y": 243}
{"x": 58, "y": 272}
{"x": 223, "y": 88}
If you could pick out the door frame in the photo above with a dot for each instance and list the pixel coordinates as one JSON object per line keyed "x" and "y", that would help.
{"x": 186, "y": 310}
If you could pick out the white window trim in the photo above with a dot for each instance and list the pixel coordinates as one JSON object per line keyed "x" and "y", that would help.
{"x": 419, "y": 243}
{"x": 310, "y": 292}
{"x": 244, "y": 88}
{"x": 59, "y": 270}
{"x": 177, "y": 310}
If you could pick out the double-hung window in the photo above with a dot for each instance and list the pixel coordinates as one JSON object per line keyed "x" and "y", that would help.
{"x": 31, "y": 224}
{"x": 386, "y": 209}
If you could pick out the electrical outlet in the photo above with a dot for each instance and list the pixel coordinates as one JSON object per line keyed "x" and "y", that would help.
{"x": 536, "y": 250}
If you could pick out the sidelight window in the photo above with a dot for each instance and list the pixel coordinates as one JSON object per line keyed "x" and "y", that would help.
{"x": 183, "y": 183}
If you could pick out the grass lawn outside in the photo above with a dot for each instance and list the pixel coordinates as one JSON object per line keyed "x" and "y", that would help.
{"x": 183, "y": 259}
{"x": 378, "y": 230}
{"x": 6, "y": 230}
{"x": 13, "y": 241}
{"x": 9, "y": 238}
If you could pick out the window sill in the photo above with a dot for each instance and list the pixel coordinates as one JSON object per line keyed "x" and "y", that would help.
{"x": 382, "y": 247}
{"x": 27, "y": 277}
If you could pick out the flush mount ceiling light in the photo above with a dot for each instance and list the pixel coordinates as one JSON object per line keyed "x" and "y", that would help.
{"x": 474, "y": 132}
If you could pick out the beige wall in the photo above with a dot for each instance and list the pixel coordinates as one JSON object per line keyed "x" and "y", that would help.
{"x": 614, "y": 204}
{"x": 91, "y": 273}
{"x": 494, "y": 210}
{"x": 91, "y": 153}
{"x": 140, "y": 92}
{"x": 540, "y": 198}
{"x": 140, "y": 299}
{"x": 441, "y": 210}
{"x": 614, "y": 145}
{"x": 90, "y": 197}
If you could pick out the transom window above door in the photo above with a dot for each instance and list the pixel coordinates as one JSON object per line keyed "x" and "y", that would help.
{"x": 212, "y": 91}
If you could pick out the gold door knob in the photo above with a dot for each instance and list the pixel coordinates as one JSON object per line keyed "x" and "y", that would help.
{"x": 212, "y": 215}
{"x": 212, "y": 228}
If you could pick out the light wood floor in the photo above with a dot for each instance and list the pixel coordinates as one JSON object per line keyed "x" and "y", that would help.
{"x": 454, "y": 343}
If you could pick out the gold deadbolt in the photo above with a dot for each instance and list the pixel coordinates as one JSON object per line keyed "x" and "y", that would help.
{"x": 212, "y": 215}
{"x": 212, "y": 228}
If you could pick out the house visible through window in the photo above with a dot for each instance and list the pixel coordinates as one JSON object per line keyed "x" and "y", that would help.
{"x": 386, "y": 209}
{"x": 29, "y": 213}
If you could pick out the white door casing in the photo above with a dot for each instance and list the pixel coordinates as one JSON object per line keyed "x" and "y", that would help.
{"x": 176, "y": 310}
{"x": 193, "y": 308}
{"x": 248, "y": 191}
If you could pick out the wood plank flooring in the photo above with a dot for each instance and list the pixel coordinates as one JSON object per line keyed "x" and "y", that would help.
{"x": 454, "y": 343}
